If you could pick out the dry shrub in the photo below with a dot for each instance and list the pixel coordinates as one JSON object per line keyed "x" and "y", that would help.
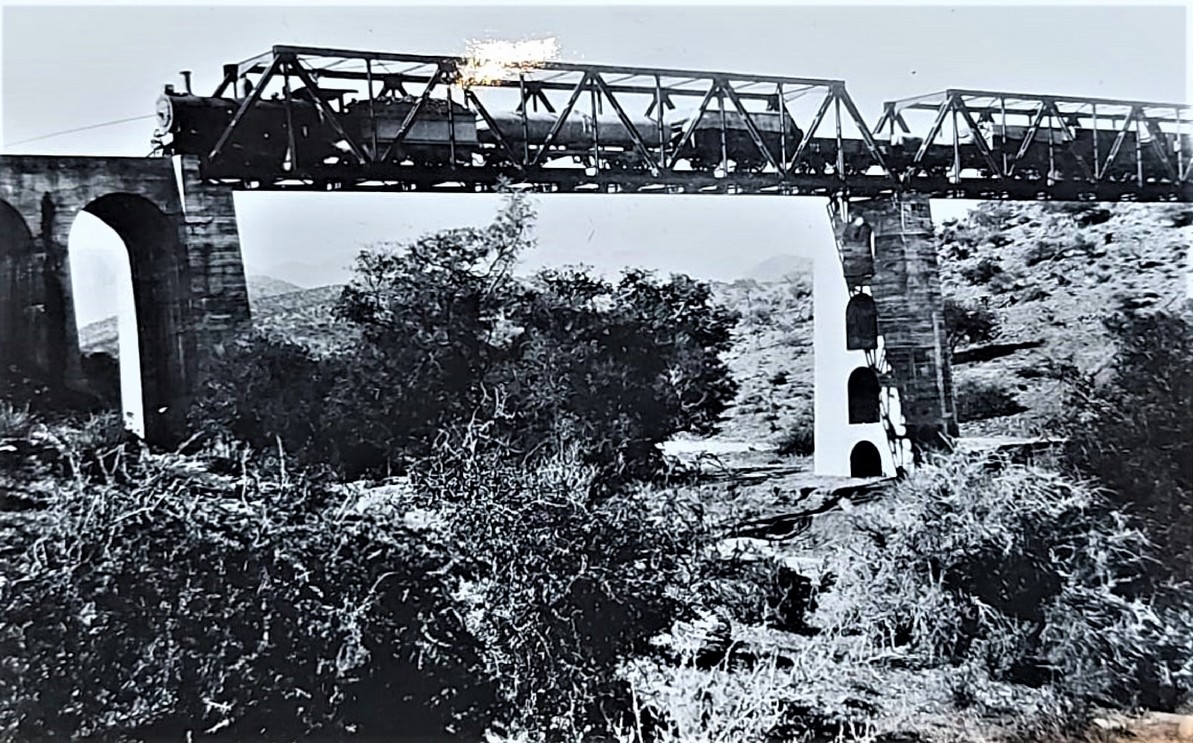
{"x": 559, "y": 579}
{"x": 980, "y": 600}
{"x": 244, "y": 606}
{"x": 1017, "y": 570}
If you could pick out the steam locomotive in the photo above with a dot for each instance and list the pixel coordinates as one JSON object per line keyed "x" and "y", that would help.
{"x": 445, "y": 133}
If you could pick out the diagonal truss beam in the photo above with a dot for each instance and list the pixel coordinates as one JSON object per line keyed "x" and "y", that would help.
{"x": 1028, "y": 137}
{"x": 690, "y": 128}
{"x": 1157, "y": 145}
{"x": 332, "y": 117}
{"x": 241, "y": 112}
{"x": 635, "y": 135}
{"x": 556, "y": 127}
{"x": 748, "y": 120}
{"x": 1118, "y": 141}
{"x": 1071, "y": 141}
{"x": 812, "y": 129}
{"x": 867, "y": 136}
{"x": 978, "y": 139}
{"x": 412, "y": 114}
{"x": 470, "y": 96}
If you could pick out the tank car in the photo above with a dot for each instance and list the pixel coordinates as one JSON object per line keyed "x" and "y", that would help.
{"x": 703, "y": 150}
{"x": 442, "y": 130}
{"x": 575, "y": 137}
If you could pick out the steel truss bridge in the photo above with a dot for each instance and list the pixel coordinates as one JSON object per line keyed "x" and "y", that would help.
{"x": 326, "y": 119}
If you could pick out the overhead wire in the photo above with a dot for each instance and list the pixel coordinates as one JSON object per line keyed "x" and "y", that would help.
{"x": 80, "y": 129}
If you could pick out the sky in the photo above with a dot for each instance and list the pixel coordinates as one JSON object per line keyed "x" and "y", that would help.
{"x": 65, "y": 67}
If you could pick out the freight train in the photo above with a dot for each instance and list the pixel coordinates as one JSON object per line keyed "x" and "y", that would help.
{"x": 446, "y": 133}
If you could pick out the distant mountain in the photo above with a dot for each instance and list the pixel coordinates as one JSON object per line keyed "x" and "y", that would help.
{"x": 778, "y": 267}
{"x": 261, "y": 287}
{"x": 103, "y": 335}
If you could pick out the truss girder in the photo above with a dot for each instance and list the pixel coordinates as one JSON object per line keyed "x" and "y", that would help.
{"x": 556, "y": 125}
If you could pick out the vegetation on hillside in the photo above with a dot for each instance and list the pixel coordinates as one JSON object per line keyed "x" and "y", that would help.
{"x": 1131, "y": 427}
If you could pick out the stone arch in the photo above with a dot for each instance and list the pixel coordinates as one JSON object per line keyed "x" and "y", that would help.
{"x": 857, "y": 253}
{"x": 161, "y": 297}
{"x": 865, "y": 461}
{"x": 18, "y": 295}
{"x": 861, "y": 323}
{"x": 863, "y": 396}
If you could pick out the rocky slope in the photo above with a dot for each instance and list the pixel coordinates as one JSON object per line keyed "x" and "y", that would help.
{"x": 1051, "y": 273}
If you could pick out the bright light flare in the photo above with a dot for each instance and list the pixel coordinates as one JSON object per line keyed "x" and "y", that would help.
{"x": 490, "y": 61}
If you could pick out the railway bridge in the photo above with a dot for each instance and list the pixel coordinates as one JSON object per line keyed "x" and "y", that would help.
{"x": 303, "y": 118}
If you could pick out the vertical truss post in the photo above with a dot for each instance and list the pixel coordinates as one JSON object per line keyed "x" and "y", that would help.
{"x": 782, "y": 128}
{"x": 956, "y": 141}
{"x": 1051, "y": 136}
{"x": 451, "y": 126}
{"x": 658, "y": 92}
{"x": 1180, "y": 146}
{"x": 724, "y": 125}
{"x": 840, "y": 144}
{"x": 289, "y": 117}
{"x": 1138, "y": 151}
{"x": 1003, "y": 147}
{"x": 1097, "y": 139}
{"x": 372, "y": 107}
{"x": 596, "y": 126}
{"x": 525, "y": 121}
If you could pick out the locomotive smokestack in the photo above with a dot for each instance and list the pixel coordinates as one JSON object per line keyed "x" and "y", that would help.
{"x": 186, "y": 81}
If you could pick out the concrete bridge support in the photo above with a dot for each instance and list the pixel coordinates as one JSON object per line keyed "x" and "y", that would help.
{"x": 884, "y": 385}
{"x": 184, "y": 256}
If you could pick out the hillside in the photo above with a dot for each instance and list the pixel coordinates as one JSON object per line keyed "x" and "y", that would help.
{"x": 1048, "y": 272}
{"x": 1051, "y": 273}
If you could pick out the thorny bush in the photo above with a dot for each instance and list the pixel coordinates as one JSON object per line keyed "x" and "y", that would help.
{"x": 1131, "y": 427}
{"x": 560, "y": 580}
{"x": 254, "y": 605}
{"x": 450, "y": 337}
{"x": 1027, "y": 575}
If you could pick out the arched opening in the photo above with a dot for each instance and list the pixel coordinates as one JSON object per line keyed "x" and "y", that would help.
{"x": 152, "y": 347}
{"x": 17, "y": 291}
{"x": 861, "y": 323}
{"x": 857, "y": 255}
{"x": 865, "y": 461}
{"x": 863, "y": 396}
{"x": 106, "y": 319}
